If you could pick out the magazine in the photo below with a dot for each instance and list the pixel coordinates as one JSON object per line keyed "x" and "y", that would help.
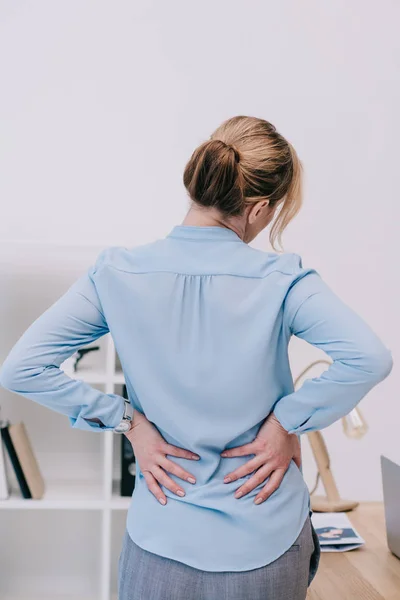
{"x": 335, "y": 532}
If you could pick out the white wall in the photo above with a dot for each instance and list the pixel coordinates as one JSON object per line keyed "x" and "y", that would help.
{"x": 103, "y": 102}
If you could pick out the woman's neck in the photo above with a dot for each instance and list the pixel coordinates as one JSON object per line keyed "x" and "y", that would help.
{"x": 210, "y": 217}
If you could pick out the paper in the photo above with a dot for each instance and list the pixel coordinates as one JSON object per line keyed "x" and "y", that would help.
{"x": 335, "y": 532}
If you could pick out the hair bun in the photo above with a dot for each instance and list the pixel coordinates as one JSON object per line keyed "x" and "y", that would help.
{"x": 212, "y": 176}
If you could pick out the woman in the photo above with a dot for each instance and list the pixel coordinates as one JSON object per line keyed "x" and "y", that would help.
{"x": 201, "y": 322}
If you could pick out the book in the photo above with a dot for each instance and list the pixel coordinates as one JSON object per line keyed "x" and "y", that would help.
{"x": 335, "y": 532}
{"x": 23, "y": 460}
{"x": 4, "y": 483}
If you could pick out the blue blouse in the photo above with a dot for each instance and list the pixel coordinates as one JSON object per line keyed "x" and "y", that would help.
{"x": 201, "y": 322}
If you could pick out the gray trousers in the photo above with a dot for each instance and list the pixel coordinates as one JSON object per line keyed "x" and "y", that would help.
{"x": 143, "y": 575}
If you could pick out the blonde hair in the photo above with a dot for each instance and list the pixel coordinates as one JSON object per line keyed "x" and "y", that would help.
{"x": 244, "y": 161}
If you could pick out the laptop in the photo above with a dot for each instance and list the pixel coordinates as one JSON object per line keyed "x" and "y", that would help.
{"x": 391, "y": 499}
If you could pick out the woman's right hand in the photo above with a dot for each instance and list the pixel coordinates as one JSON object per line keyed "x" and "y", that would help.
{"x": 151, "y": 451}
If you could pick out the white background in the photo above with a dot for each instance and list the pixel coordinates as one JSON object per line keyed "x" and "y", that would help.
{"x": 102, "y": 103}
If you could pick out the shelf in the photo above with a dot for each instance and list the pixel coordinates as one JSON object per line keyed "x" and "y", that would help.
{"x": 70, "y": 495}
{"x": 69, "y": 546}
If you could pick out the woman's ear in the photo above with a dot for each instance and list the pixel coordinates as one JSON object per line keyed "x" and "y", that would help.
{"x": 258, "y": 211}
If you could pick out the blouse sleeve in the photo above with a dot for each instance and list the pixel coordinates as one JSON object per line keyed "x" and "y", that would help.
{"x": 32, "y": 368}
{"x": 314, "y": 313}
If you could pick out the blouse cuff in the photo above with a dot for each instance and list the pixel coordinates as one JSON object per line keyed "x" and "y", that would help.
{"x": 109, "y": 418}
{"x": 304, "y": 425}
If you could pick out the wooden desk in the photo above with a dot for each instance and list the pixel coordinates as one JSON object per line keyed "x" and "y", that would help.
{"x": 369, "y": 573}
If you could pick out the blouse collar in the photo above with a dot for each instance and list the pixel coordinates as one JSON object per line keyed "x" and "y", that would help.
{"x": 199, "y": 232}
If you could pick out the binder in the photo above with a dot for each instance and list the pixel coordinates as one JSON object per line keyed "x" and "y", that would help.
{"x": 4, "y": 483}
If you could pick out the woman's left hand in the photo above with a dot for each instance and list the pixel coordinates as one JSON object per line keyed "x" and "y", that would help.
{"x": 274, "y": 449}
{"x": 151, "y": 451}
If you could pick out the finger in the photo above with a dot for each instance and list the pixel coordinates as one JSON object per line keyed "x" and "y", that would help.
{"x": 171, "y": 467}
{"x": 167, "y": 482}
{"x": 154, "y": 487}
{"x": 258, "y": 477}
{"x": 180, "y": 452}
{"x": 271, "y": 486}
{"x": 245, "y": 469}
{"x": 239, "y": 450}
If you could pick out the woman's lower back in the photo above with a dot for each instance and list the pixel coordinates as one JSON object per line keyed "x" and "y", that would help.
{"x": 211, "y": 530}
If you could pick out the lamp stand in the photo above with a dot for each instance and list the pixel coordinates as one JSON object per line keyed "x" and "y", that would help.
{"x": 332, "y": 502}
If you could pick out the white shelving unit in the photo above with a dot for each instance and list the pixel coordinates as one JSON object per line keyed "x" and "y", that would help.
{"x": 66, "y": 546}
